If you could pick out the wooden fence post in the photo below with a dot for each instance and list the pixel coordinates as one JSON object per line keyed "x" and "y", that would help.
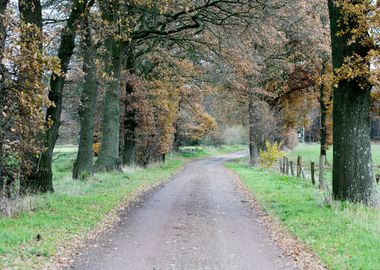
{"x": 322, "y": 172}
{"x": 287, "y": 166}
{"x": 299, "y": 160}
{"x": 312, "y": 173}
{"x": 292, "y": 168}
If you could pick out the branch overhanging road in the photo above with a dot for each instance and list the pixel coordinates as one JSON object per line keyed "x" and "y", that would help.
{"x": 199, "y": 220}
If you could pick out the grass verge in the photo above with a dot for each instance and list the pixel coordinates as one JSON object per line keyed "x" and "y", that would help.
{"x": 208, "y": 151}
{"x": 343, "y": 236}
{"x": 310, "y": 153}
{"x": 33, "y": 239}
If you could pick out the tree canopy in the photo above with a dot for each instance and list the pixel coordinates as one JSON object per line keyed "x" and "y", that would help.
{"x": 147, "y": 77}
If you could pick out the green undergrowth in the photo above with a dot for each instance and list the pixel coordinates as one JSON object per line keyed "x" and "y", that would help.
{"x": 30, "y": 240}
{"x": 344, "y": 236}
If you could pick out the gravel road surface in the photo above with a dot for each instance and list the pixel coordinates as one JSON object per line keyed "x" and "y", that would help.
{"x": 199, "y": 220}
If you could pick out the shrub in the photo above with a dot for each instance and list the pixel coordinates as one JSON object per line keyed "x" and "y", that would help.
{"x": 270, "y": 155}
{"x": 191, "y": 151}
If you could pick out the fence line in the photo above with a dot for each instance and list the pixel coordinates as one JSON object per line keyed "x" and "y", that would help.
{"x": 286, "y": 167}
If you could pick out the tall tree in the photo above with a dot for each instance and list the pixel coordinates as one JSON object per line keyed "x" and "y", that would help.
{"x": 41, "y": 179}
{"x": 114, "y": 51}
{"x": 353, "y": 178}
{"x": 30, "y": 75}
{"x": 87, "y": 111}
{"x": 3, "y": 36}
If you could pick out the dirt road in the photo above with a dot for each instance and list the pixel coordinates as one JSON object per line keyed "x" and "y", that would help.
{"x": 199, "y": 220}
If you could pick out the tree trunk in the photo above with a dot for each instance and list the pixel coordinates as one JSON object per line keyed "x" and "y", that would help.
{"x": 177, "y": 136}
{"x": 114, "y": 52}
{"x": 3, "y": 7}
{"x": 84, "y": 161}
{"x": 254, "y": 144}
{"x": 353, "y": 178}
{"x": 41, "y": 180}
{"x": 129, "y": 151}
{"x": 31, "y": 14}
{"x": 253, "y": 150}
{"x": 109, "y": 154}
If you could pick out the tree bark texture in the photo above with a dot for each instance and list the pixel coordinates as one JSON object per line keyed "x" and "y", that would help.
{"x": 84, "y": 162}
{"x": 3, "y": 7}
{"x": 353, "y": 178}
{"x": 109, "y": 158}
{"x": 109, "y": 154}
{"x": 129, "y": 151}
{"x": 255, "y": 142}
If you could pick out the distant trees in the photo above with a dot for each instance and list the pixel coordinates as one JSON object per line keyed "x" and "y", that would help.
{"x": 275, "y": 64}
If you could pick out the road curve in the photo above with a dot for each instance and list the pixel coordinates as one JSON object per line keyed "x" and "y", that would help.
{"x": 199, "y": 220}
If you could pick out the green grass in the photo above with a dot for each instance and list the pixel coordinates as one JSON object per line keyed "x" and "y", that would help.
{"x": 310, "y": 153}
{"x": 344, "y": 236}
{"x": 225, "y": 149}
{"x": 76, "y": 208}
{"x": 207, "y": 151}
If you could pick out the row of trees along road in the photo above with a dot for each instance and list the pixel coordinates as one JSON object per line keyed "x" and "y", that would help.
{"x": 164, "y": 73}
